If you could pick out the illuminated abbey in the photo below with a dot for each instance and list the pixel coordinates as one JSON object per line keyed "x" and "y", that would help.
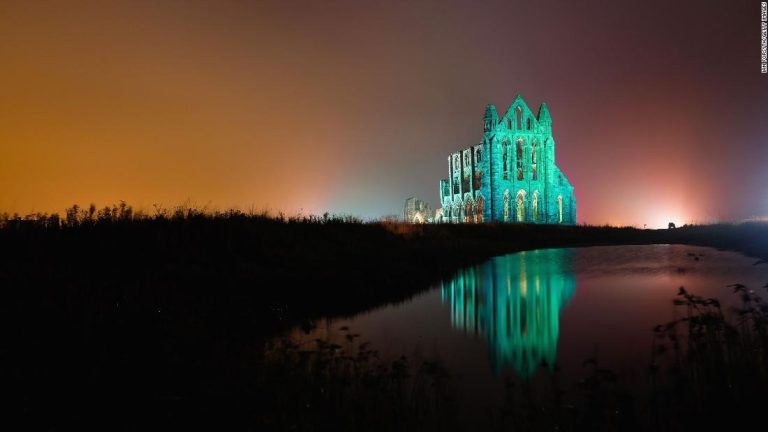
{"x": 511, "y": 176}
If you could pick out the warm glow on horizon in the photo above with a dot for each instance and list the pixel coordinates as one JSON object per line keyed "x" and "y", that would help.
{"x": 351, "y": 107}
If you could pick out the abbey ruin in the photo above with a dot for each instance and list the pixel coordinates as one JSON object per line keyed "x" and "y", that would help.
{"x": 511, "y": 176}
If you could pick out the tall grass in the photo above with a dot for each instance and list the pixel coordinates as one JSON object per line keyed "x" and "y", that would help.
{"x": 710, "y": 366}
{"x": 349, "y": 387}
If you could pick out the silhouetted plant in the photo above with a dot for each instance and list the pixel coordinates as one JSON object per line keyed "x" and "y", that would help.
{"x": 351, "y": 388}
{"x": 712, "y": 362}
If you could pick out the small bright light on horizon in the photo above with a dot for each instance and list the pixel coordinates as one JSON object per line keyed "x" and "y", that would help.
{"x": 661, "y": 221}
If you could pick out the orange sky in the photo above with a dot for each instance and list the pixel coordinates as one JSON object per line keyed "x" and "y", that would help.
{"x": 352, "y": 107}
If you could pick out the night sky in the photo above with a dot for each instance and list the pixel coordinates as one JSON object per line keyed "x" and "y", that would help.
{"x": 659, "y": 109}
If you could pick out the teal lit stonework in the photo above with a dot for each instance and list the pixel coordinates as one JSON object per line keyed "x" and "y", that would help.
{"x": 515, "y": 302}
{"x": 511, "y": 176}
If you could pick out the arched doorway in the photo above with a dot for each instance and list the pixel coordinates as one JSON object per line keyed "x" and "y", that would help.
{"x": 479, "y": 210}
{"x": 521, "y": 206}
{"x": 468, "y": 213}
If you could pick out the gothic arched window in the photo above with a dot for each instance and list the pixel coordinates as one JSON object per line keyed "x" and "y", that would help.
{"x": 468, "y": 211}
{"x": 506, "y": 205}
{"x": 520, "y": 159}
{"x": 534, "y": 172}
{"x": 480, "y": 209}
{"x": 504, "y": 169}
{"x": 521, "y": 206}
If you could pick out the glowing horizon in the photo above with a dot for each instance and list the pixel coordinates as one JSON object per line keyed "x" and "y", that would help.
{"x": 351, "y": 108}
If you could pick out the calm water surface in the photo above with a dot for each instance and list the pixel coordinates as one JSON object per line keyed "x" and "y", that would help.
{"x": 511, "y": 316}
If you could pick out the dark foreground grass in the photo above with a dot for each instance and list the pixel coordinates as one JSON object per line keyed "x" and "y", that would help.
{"x": 116, "y": 320}
{"x": 349, "y": 387}
{"x": 706, "y": 370}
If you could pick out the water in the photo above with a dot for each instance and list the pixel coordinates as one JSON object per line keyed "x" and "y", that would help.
{"x": 515, "y": 316}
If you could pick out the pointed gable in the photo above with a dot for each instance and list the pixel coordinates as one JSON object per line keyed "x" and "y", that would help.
{"x": 519, "y": 116}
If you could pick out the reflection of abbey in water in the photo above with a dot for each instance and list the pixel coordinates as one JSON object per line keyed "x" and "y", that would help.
{"x": 511, "y": 176}
{"x": 515, "y": 302}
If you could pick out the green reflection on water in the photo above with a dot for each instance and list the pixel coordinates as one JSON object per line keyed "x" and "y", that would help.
{"x": 515, "y": 302}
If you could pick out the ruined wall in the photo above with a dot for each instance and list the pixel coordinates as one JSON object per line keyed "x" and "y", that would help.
{"x": 417, "y": 211}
